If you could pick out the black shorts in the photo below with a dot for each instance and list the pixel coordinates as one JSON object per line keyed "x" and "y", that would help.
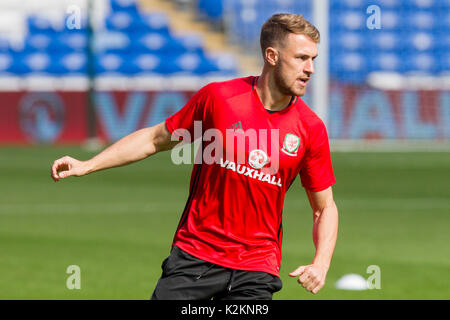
{"x": 185, "y": 277}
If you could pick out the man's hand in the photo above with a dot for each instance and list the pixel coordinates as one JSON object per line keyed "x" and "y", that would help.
{"x": 311, "y": 277}
{"x": 66, "y": 167}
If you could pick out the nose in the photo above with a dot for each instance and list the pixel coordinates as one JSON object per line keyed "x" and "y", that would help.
{"x": 309, "y": 67}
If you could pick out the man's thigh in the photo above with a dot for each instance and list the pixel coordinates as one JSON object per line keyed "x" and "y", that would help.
{"x": 185, "y": 277}
{"x": 251, "y": 285}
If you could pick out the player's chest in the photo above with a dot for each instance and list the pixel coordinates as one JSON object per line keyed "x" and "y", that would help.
{"x": 259, "y": 140}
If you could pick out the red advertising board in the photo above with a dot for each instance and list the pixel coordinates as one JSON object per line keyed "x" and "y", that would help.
{"x": 43, "y": 117}
{"x": 355, "y": 112}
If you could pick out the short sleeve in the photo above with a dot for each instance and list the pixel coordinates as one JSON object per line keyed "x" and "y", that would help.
{"x": 316, "y": 172}
{"x": 194, "y": 110}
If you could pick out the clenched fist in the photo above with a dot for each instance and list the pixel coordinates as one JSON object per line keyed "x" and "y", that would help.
{"x": 66, "y": 167}
{"x": 311, "y": 277}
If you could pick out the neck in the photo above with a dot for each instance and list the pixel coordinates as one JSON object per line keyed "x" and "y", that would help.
{"x": 269, "y": 94}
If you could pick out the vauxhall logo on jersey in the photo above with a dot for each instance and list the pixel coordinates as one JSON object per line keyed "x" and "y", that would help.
{"x": 242, "y": 151}
{"x": 251, "y": 173}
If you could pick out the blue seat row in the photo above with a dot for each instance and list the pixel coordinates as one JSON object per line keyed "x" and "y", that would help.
{"x": 131, "y": 43}
{"x": 128, "y": 64}
{"x": 131, "y": 64}
{"x": 37, "y": 24}
{"x": 117, "y": 21}
{"x": 130, "y": 22}
{"x": 124, "y": 5}
{"x": 152, "y": 42}
{"x": 58, "y": 43}
{"x": 357, "y": 20}
{"x": 405, "y": 5}
{"x": 372, "y": 42}
{"x": 360, "y": 63}
{"x": 24, "y": 64}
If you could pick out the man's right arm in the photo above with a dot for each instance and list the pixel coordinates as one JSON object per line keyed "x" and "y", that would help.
{"x": 131, "y": 148}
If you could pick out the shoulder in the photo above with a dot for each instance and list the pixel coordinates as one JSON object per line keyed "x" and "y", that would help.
{"x": 228, "y": 88}
{"x": 314, "y": 127}
{"x": 310, "y": 120}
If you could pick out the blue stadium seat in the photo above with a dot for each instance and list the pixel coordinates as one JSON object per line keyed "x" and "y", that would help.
{"x": 422, "y": 62}
{"x": 420, "y": 41}
{"x": 348, "y": 20}
{"x": 7, "y": 62}
{"x": 415, "y": 5}
{"x": 381, "y": 41}
{"x": 124, "y": 5}
{"x": 38, "y": 62}
{"x": 391, "y": 62}
{"x": 388, "y": 4}
{"x": 113, "y": 64}
{"x": 363, "y": 4}
{"x": 73, "y": 40}
{"x": 349, "y": 62}
{"x": 347, "y": 4}
{"x": 443, "y": 42}
{"x": 148, "y": 63}
{"x": 194, "y": 63}
{"x": 128, "y": 22}
{"x": 348, "y": 40}
{"x": 190, "y": 42}
{"x": 444, "y": 61}
{"x": 38, "y": 24}
{"x": 72, "y": 63}
{"x": 392, "y": 20}
{"x": 114, "y": 41}
{"x": 56, "y": 42}
{"x": 213, "y": 9}
{"x": 443, "y": 20}
{"x": 157, "y": 43}
{"x": 421, "y": 21}
{"x": 121, "y": 21}
{"x": 154, "y": 64}
{"x": 225, "y": 64}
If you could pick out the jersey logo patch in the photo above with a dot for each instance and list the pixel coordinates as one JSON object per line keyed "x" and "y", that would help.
{"x": 291, "y": 144}
{"x": 235, "y": 126}
{"x": 257, "y": 159}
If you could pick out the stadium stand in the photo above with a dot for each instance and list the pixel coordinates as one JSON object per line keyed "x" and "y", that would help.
{"x": 414, "y": 36}
{"x": 37, "y": 40}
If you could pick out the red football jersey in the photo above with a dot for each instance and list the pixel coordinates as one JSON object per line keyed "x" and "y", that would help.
{"x": 233, "y": 215}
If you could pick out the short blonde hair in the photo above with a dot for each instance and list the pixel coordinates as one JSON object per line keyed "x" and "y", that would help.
{"x": 278, "y": 26}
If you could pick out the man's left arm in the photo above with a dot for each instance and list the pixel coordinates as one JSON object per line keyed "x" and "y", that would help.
{"x": 325, "y": 215}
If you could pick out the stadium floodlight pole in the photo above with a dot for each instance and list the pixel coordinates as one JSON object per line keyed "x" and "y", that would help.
{"x": 320, "y": 87}
{"x": 91, "y": 126}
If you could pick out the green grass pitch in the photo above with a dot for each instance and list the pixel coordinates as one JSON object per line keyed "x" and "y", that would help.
{"x": 117, "y": 226}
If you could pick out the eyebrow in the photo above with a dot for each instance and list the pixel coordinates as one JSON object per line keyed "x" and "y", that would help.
{"x": 301, "y": 54}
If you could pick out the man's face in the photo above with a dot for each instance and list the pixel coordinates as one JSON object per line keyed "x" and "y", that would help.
{"x": 295, "y": 64}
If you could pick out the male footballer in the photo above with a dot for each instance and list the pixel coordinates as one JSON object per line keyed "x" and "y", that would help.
{"x": 228, "y": 242}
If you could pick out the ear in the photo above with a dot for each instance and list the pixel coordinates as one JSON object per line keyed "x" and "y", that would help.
{"x": 271, "y": 56}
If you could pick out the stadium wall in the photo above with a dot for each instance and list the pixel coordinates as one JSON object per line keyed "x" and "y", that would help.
{"x": 356, "y": 113}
